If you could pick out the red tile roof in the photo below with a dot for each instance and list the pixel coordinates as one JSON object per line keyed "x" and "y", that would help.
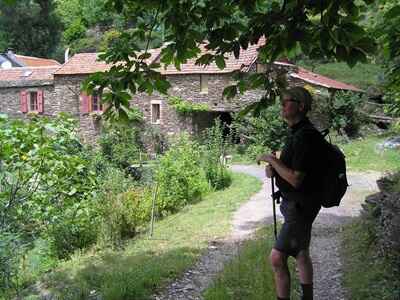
{"x": 320, "y": 80}
{"x": 31, "y": 61}
{"x": 25, "y": 73}
{"x": 83, "y": 63}
{"x": 246, "y": 59}
{"x": 87, "y": 63}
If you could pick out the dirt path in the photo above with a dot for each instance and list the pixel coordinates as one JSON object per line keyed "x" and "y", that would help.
{"x": 258, "y": 211}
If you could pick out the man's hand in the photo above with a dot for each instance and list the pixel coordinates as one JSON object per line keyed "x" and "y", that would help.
{"x": 269, "y": 171}
{"x": 267, "y": 157}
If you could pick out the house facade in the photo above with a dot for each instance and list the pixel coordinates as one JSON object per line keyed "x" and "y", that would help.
{"x": 53, "y": 89}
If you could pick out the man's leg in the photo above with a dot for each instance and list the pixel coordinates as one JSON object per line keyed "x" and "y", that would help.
{"x": 305, "y": 268}
{"x": 279, "y": 265}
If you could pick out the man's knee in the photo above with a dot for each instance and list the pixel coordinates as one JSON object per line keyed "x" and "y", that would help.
{"x": 303, "y": 257}
{"x": 278, "y": 260}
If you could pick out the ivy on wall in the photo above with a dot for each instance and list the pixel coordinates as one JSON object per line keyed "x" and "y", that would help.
{"x": 185, "y": 107}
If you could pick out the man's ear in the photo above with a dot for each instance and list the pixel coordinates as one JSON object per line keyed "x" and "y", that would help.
{"x": 302, "y": 107}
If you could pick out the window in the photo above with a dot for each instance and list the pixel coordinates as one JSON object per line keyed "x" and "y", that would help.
{"x": 204, "y": 83}
{"x": 31, "y": 101}
{"x": 155, "y": 112}
{"x": 96, "y": 104}
{"x": 261, "y": 68}
{"x": 91, "y": 103}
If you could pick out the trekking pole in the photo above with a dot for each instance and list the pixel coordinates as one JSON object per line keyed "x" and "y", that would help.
{"x": 273, "y": 205}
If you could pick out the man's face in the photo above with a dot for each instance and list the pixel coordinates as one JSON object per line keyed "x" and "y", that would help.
{"x": 291, "y": 108}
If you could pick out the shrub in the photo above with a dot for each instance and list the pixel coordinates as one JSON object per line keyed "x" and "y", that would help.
{"x": 121, "y": 145}
{"x": 263, "y": 133}
{"x": 123, "y": 207}
{"x": 215, "y": 146}
{"x": 180, "y": 177}
{"x": 123, "y": 215}
{"x": 342, "y": 113}
{"x": 12, "y": 249}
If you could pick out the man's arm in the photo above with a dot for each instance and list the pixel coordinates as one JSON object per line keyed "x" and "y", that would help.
{"x": 295, "y": 178}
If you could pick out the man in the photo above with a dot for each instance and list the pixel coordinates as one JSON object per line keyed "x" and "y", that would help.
{"x": 297, "y": 172}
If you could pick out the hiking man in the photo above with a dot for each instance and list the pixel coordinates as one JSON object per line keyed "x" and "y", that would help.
{"x": 297, "y": 173}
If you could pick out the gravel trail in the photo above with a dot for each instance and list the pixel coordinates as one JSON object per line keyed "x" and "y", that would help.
{"x": 257, "y": 212}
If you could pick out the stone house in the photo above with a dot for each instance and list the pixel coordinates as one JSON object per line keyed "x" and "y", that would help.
{"x": 58, "y": 89}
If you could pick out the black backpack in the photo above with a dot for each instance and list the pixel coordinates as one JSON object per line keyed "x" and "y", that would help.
{"x": 334, "y": 180}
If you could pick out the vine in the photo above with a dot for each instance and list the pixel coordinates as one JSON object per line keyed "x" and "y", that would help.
{"x": 186, "y": 107}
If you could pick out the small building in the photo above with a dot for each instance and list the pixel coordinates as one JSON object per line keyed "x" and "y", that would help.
{"x": 53, "y": 89}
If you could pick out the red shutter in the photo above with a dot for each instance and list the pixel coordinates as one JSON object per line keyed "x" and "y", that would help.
{"x": 84, "y": 103}
{"x": 24, "y": 101}
{"x": 40, "y": 101}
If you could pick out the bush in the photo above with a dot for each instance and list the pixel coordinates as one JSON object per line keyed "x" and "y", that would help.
{"x": 180, "y": 177}
{"x": 123, "y": 215}
{"x": 342, "y": 113}
{"x": 215, "y": 146}
{"x": 12, "y": 249}
{"x": 121, "y": 145}
{"x": 263, "y": 133}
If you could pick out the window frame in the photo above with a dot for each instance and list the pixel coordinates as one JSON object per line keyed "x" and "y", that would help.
{"x": 33, "y": 106}
{"x": 158, "y": 120}
{"x": 204, "y": 78}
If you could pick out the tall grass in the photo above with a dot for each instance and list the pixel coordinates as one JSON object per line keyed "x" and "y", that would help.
{"x": 367, "y": 275}
{"x": 249, "y": 275}
{"x": 146, "y": 264}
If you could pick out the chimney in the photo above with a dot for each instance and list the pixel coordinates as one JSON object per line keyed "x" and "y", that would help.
{"x": 66, "y": 55}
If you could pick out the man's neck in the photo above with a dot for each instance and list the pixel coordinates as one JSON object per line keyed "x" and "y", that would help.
{"x": 295, "y": 121}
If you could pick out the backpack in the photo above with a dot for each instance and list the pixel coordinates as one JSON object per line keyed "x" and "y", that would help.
{"x": 334, "y": 180}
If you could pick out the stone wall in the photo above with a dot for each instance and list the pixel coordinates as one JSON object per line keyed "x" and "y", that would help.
{"x": 68, "y": 99}
{"x": 10, "y": 102}
{"x": 384, "y": 209}
{"x": 187, "y": 87}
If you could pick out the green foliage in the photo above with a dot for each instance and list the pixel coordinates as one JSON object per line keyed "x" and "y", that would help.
{"x": 249, "y": 275}
{"x": 342, "y": 113}
{"x": 215, "y": 148}
{"x": 327, "y": 30}
{"x": 124, "y": 214}
{"x": 180, "y": 177}
{"x": 140, "y": 269}
{"x": 74, "y": 32}
{"x": 361, "y": 75}
{"x": 46, "y": 184}
{"x": 186, "y": 107}
{"x": 12, "y": 249}
{"x": 366, "y": 274}
{"x": 384, "y": 25}
{"x": 266, "y": 132}
{"x": 30, "y": 27}
{"x": 120, "y": 144}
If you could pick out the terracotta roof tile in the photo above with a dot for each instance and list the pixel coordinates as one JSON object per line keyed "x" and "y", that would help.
{"x": 246, "y": 59}
{"x": 26, "y": 74}
{"x": 88, "y": 63}
{"x": 31, "y": 61}
{"x": 320, "y": 80}
{"x": 83, "y": 63}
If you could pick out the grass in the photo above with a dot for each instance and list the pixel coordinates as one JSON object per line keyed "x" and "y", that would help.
{"x": 361, "y": 75}
{"x": 365, "y": 155}
{"x": 366, "y": 274}
{"x": 249, "y": 275}
{"x": 146, "y": 264}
